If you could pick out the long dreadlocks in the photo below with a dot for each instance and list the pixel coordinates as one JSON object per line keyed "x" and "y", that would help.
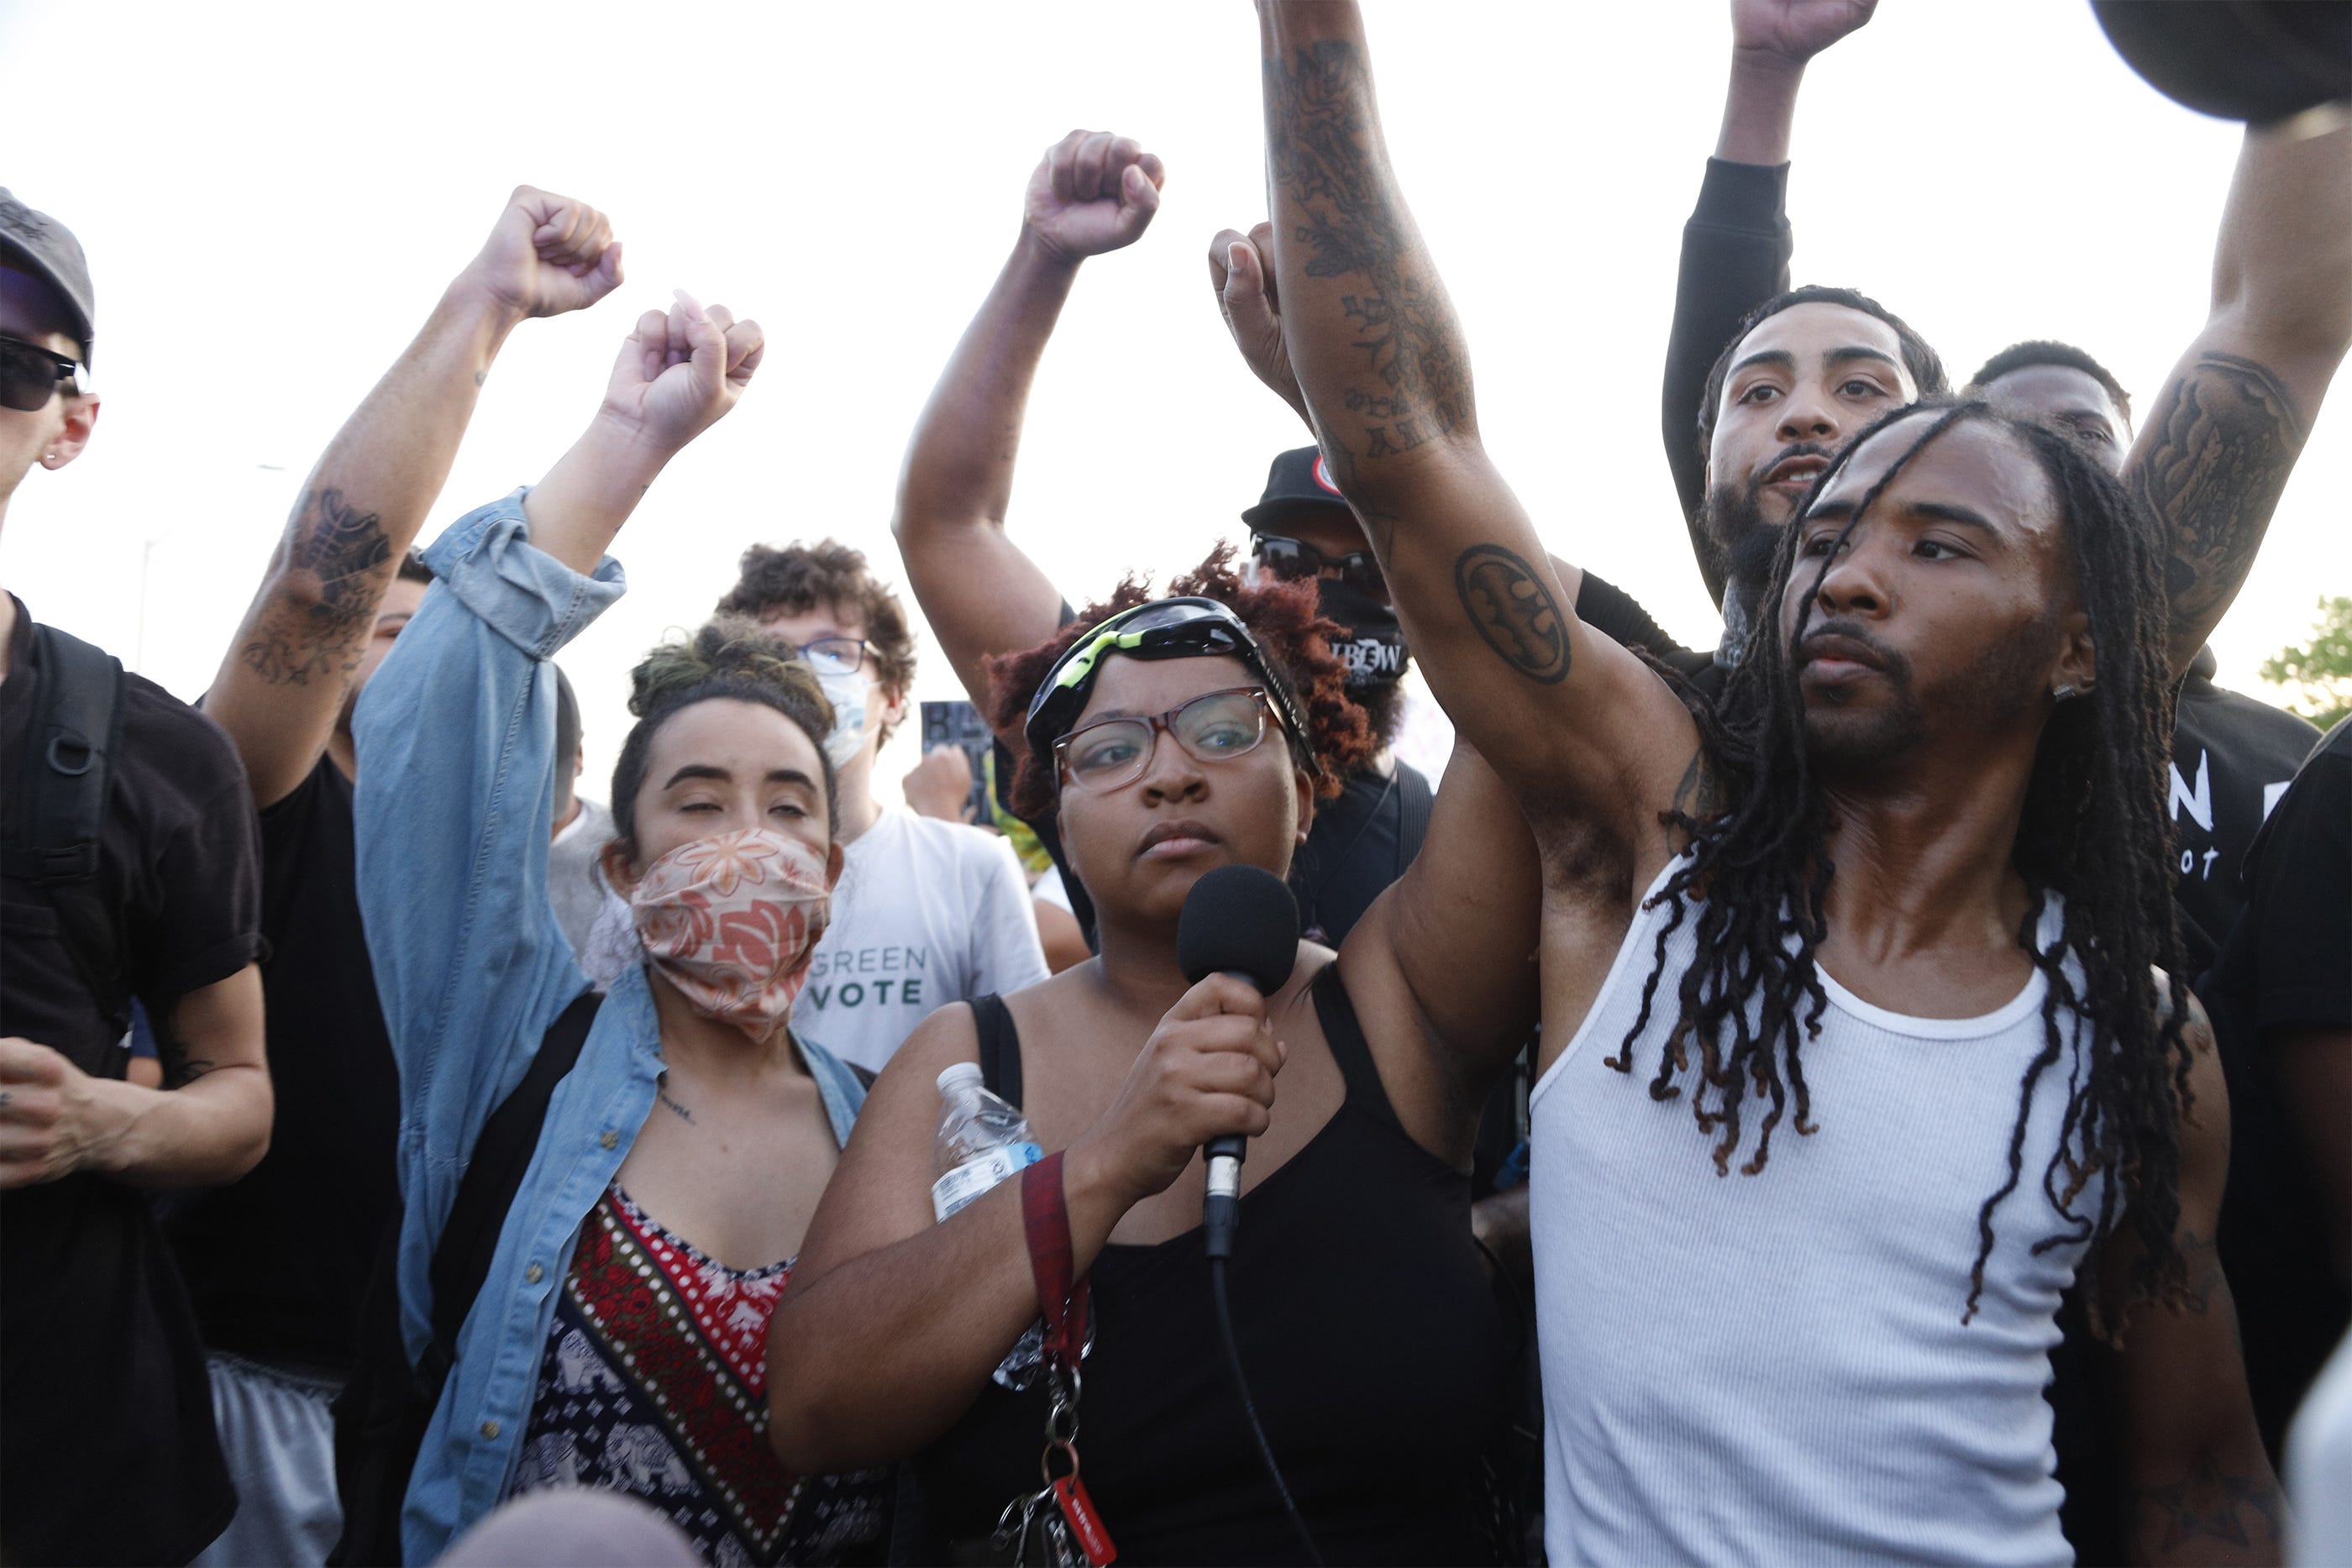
{"x": 2092, "y": 832}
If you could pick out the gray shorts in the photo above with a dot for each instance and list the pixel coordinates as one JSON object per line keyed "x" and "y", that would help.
{"x": 280, "y": 1440}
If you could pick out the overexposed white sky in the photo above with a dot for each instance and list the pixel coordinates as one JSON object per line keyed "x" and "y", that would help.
{"x": 273, "y": 194}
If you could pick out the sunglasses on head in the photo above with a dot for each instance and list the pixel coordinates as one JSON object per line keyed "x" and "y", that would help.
{"x": 1296, "y": 558}
{"x": 30, "y": 375}
{"x": 1181, "y": 628}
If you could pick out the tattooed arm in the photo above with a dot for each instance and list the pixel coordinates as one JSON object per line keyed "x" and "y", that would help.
{"x": 281, "y": 690}
{"x": 210, "y": 1124}
{"x": 2199, "y": 1487}
{"x": 1571, "y": 722}
{"x": 2224, "y": 431}
{"x": 1092, "y": 193}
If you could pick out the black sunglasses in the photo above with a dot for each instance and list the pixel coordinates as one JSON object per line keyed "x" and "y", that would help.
{"x": 1296, "y": 558}
{"x": 30, "y": 375}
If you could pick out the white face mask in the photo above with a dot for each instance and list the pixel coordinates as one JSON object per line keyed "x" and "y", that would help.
{"x": 848, "y": 695}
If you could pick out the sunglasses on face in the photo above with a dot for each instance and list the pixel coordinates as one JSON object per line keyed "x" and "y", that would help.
{"x": 1297, "y": 557}
{"x": 30, "y": 375}
{"x": 1215, "y": 726}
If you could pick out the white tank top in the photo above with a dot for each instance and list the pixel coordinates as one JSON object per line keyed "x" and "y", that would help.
{"x": 1772, "y": 1369}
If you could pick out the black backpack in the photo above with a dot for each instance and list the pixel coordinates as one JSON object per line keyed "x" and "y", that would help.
{"x": 62, "y": 788}
{"x": 384, "y": 1407}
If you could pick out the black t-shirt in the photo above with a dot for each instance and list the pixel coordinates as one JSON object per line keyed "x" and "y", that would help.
{"x": 106, "y": 1448}
{"x": 2231, "y": 758}
{"x": 278, "y": 1263}
{"x": 2287, "y": 965}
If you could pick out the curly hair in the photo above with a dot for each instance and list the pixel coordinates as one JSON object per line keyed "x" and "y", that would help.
{"x": 2093, "y": 833}
{"x": 729, "y": 658}
{"x": 799, "y": 578}
{"x": 1291, "y": 634}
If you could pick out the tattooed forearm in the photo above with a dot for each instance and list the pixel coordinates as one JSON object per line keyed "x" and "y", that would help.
{"x": 2210, "y": 1506}
{"x": 2217, "y": 458}
{"x": 1324, "y": 156}
{"x": 1505, "y": 599}
{"x": 319, "y": 629}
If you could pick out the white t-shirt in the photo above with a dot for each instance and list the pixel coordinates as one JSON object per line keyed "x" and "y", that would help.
{"x": 928, "y": 913}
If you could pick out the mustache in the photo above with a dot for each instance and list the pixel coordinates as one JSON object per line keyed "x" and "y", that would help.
{"x": 1794, "y": 449}
{"x": 1894, "y": 664}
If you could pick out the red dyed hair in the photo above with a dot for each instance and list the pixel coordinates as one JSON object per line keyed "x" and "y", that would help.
{"x": 1291, "y": 631}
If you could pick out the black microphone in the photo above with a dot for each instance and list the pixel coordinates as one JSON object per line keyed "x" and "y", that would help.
{"x": 1238, "y": 920}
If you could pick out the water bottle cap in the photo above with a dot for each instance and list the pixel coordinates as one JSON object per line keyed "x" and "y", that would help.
{"x": 958, "y": 1073}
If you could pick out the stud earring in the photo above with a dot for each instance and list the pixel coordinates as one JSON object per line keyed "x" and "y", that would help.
{"x": 2063, "y": 693}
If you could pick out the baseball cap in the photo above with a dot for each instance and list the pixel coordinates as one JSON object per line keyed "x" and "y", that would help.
{"x": 1297, "y": 478}
{"x": 47, "y": 249}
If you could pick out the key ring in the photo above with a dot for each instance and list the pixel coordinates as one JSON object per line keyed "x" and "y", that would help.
{"x": 1045, "y": 1460}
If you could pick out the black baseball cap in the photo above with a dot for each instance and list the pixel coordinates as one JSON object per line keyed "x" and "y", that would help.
{"x": 47, "y": 249}
{"x": 1301, "y": 477}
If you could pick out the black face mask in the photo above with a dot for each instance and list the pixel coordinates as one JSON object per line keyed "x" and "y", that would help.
{"x": 1373, "y": 645}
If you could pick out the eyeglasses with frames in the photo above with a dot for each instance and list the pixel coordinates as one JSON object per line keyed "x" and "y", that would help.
{"x": 836, "y": 655}
{"x": 1216, "y": 727}
{"x": 30, "y": 375}
{"x": 1296, "y": 558}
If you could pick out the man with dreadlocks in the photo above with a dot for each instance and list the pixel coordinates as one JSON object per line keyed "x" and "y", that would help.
{"x": 1864, "y": 1030}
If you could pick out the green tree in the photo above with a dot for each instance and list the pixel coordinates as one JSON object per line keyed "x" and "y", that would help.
{"x": 2320, "y": 674}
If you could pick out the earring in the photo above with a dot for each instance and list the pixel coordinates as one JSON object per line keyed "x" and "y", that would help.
{"x": 2063, "y": 693}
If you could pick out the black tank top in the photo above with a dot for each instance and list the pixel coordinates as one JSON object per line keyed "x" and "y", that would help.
{"x": 1377, "y": 1350}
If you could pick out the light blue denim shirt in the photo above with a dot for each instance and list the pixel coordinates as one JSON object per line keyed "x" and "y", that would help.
{"x": 456, "y": 742}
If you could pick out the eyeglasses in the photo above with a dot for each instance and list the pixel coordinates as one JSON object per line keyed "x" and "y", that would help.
{"x": 30, "y": 375}
{"x": 836, "y": 655}
{"x": 1297, "y": 557}
{"x": 1216, "y": 727}
{"x": 1186, "y": 627}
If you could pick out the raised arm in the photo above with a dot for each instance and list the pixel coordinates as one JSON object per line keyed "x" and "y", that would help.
{"x": 1569, "y": 719}
{"x": 1737, "y": 244}
{"x": 284, "y": 679}
{"x": 2222, "y": 435}
{"x": 1092, "y": 193}
{"x": 456, "y": 737}
{"x": 1442, "y": 968}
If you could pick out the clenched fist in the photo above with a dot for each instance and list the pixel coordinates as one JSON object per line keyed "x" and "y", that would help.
{"x": 548, "y": 255}
{"x": 1092, "y": 193}
{"x": 45, "y": 1126}
{"x": 1241, "y": 271}
{"x": 679, "y": 372}
{"x": 1795, "y": 30}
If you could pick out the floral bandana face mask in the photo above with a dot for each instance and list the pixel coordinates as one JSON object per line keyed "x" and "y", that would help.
{"x": 732, "y": 922}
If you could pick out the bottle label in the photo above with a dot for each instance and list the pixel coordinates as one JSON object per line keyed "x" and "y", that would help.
{"x": 976, "y": 1175}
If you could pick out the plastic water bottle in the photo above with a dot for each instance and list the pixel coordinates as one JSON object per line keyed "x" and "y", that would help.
{"x": 982, "y": 1140}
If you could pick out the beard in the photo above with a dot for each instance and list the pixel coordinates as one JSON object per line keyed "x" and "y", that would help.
{"x": 2003, "y": 681}
{"x": 1732, "y": 516}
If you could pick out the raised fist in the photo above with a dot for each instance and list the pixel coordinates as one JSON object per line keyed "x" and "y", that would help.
{"x": 548, "y": 255}
{"x": 1241, "y": 271}
{"x": 1093, "y": 191}
{"x": 679, "y": 372}
{"x": 1795, "y": 30}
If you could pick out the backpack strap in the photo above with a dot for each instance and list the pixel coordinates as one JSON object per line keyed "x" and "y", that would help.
{"x": 502, "y": 1154}
{"x": 67, "y": 778}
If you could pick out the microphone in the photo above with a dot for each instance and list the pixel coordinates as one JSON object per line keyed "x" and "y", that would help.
{"x": 1238, "y": 920}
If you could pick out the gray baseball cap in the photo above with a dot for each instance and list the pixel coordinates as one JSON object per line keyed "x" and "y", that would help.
{"x": 47, "y": 248}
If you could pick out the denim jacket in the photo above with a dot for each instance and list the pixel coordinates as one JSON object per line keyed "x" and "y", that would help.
{"x": 457, "y": 740}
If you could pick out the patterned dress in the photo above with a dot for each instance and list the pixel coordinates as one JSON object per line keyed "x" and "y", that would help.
{"x": 653, "y": 1382}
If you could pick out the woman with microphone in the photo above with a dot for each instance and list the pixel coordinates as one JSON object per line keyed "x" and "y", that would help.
{"x": 1169, "y": 737}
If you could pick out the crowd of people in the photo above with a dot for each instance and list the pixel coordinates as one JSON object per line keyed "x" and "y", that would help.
{"x": 1879, "y": 1088}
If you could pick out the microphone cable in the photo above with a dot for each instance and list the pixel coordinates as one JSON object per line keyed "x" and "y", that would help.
{"x": 1249, "y": 1409}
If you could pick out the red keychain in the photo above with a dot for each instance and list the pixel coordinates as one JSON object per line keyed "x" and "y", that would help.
{"x": 1046, "y": 1216}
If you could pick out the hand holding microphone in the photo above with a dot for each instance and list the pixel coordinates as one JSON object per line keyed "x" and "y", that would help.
{"x": 1241, "y": 923}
